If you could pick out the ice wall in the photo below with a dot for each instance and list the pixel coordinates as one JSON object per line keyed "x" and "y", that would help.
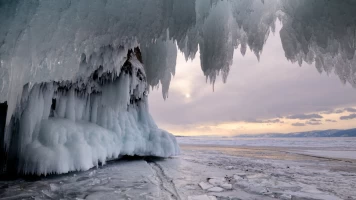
{"x": 76, "y": 125}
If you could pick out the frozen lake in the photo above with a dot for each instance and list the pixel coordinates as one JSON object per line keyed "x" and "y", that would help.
{"x": 336, "y": 143}
{"x": 323, "y": 147}
{"x": 229, "y": 168}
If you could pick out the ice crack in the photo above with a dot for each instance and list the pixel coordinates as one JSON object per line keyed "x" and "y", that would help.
{"x": 165, "y": 183}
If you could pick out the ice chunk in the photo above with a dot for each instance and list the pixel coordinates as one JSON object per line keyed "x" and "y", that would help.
{"x": 226, "y": 186}
{"x": 237, "y": 177}
{"x": 215, "y": 189}
{"x": 216, "y": 181}
{"x": 229, "y": 167}
{"x": 205, "y": 185}
{"x": 54, "y": 187}
{"x": 212, "y": 198}
{"x": 201, "y": 197}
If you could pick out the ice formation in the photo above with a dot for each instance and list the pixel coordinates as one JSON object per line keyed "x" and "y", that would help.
{"x": 68, "y": 126}
{"x": 323, "y": 33}
{"x": 75, "y": 74}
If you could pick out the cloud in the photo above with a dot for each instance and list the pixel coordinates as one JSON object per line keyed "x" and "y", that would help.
{"x": 330, "y": 120}
{"x": 304, "y": 116}
{"x": 350, "y": 110}
{"x": 313, "y": 122}
{"x": 298, "y": 124}
{"x": 270, "y": 121}
{"x": 337, "y": 111}
{"x": 347, "y": 117}
{"x": 254, "y": 121}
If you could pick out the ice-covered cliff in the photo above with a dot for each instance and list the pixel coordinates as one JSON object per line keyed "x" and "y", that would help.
{"x": 63, "y": 126}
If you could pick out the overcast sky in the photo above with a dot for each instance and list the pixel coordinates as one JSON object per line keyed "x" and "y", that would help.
{"x": 270, "y": 95}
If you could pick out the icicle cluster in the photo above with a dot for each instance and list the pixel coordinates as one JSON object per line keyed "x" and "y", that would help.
{"x": 323, "y": 33}
{"x": 69, "y": 126}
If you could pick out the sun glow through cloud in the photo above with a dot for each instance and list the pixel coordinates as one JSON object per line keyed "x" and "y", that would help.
{"x": 274, "y": 125}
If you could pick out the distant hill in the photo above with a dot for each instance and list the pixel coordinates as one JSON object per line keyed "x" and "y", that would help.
{"x": 323, "y": 133}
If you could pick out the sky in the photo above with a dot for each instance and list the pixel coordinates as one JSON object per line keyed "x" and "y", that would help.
{"x": 271, "y": 95}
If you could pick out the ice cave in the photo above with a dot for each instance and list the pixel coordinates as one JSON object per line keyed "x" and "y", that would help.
{"x": 75, "y": 75}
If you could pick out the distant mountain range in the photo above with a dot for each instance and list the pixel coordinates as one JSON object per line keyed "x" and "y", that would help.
{"x": 323, "y": 133}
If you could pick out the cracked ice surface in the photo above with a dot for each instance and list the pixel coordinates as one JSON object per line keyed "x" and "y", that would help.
{"x": 233, "y": 173}
{"x": 124, "y": 180}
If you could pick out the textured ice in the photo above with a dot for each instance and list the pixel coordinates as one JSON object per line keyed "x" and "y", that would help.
{"x": 322, "y": 33}
{"x": 63, "y": 127}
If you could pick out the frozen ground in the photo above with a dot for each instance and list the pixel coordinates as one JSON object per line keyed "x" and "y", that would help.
{"x": 204, "y": 172}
